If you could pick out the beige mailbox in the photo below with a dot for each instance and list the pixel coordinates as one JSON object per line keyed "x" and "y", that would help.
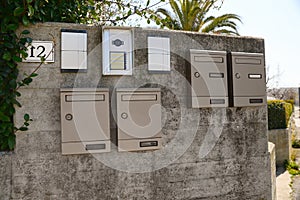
{"x": 85, "y": 121}
{"x": 248, "y": 77}
{"x": 139, "y": 119}
{"x": 209, "y": 78}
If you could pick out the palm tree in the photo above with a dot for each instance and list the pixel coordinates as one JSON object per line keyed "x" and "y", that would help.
{"x": 190, "y": 15}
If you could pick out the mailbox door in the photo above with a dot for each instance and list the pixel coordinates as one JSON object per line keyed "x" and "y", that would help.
{"x": 249, "y": 82}
{"x": 139, "y": 119}
{"x": 209, "y": 78}
{"x": 85, "y": 121}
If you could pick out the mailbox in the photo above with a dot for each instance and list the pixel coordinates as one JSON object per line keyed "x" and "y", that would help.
{"x": 85, "y": 121}
{"x": 209, "y": 78}
{"x": 73, "y": 50}
{"x": 117, "y": 51}
{"x": 139, "y": 119}
{"x": 248, "y": 79}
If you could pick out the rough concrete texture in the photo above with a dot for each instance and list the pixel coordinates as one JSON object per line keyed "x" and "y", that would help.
{"x": 283, "y": 144}
{"x": 274, "y": 191}
{"x": 227, "y": 153}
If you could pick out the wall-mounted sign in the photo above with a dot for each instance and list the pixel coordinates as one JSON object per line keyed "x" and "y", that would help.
{"x": 39, "y": 49}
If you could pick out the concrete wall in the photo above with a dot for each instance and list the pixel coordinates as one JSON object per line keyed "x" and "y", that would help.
{"x": 272, "y": 153}
{"x": 282, "y": 138}
{"x": 283, "y": 144}
{"x": 207, "y": 154}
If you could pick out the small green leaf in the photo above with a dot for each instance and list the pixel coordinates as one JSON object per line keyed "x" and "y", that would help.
{"x": 25, "y": 32}
{"x": 26, "y": 81}
{"x": 6, "y": 56}
{"x": 12, "y": 27}
{"x": 25, "y": 20}
{"x": 33, "y": 75}
{"x": 30, "y": 11}
{"x": 9, "y": 45}
{"x": 23, "y": 128}
{"x": 17, "y": 59}
{"x": 18, "y": 94}
{"x": 18, "y": 11}
{"x": 26, "y": 117}
{"x": 26, "y": 123}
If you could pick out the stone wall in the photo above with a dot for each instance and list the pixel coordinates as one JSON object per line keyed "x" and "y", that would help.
{"x": 210, "y": 153}
{"x": 272, "y": 153}
{"x": 282, "y": 138}
{"x": 283, "y": 144}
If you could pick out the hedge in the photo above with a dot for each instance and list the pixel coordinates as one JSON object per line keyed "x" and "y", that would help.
{"x": 279, "y": 113}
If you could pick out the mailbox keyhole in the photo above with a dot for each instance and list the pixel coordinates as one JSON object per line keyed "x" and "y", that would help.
{"x": 197, "y": 74}
{"x": 124, "y": 115}
{"x": 69, "y": 117}
{"x": 237, "y": 75}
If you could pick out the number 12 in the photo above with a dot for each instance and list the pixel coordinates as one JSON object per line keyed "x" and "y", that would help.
{"x": 40, "y": 54}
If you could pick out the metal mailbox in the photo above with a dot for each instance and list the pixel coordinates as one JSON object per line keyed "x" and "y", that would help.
{"x": 139, "y": 119}
{"x": 209, "y": 78}
{"x": 248, "y": 79}
{"x": 85, "y": 121}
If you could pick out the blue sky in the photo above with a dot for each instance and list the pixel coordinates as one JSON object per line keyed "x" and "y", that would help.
{"x": 278, "y": 22}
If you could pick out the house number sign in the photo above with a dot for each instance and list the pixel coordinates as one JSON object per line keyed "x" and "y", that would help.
{"x": 39, "y": 49}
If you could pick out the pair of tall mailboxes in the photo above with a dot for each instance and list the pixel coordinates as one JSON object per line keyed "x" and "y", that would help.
{"x": 218, "y": 79}
{"x": 85, "y": 118}
{"x": 221, "y": 79}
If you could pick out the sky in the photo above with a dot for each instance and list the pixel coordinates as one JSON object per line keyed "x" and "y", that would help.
{"x": 278, "y": 23}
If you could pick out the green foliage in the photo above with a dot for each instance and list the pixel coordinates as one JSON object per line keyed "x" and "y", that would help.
{"x": 291, "y": 101}
{"x": 13, "y": 49}
{"x": 191, "y": 15}
{"x": 296, "y": 143}
{"x": 292, "y": 167}
{"x": 279, "y": 113}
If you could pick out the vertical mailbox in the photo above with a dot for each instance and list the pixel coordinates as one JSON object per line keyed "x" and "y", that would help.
{"x": 85, "y": 121}
{"x": 139, "y": 119}
{"x": 249, "y": 82}
{"x": 209, "y": 78}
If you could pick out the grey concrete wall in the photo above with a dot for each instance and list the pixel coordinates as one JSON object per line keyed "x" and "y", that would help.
{"x": 283, "y": 144}
{"x": 272, "y": 162}
{"x": 227, "y": 157}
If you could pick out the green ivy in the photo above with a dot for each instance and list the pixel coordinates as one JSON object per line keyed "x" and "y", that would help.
{"x": 13, "y": 50}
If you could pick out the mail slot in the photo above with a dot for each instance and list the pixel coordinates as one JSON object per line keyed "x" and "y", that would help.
{"x": 248, "y": 79}
{"x": 85, "y": 121}
{"x": 139, "y": 119}
{"x": 209, "y": 78}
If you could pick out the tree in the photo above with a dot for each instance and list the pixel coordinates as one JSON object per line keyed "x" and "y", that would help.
{"x": 191, "y": 15}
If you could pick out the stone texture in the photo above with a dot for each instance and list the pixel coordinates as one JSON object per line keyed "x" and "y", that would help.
{"x": 219, "y": 153}
{"x": 283, "y": 144}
